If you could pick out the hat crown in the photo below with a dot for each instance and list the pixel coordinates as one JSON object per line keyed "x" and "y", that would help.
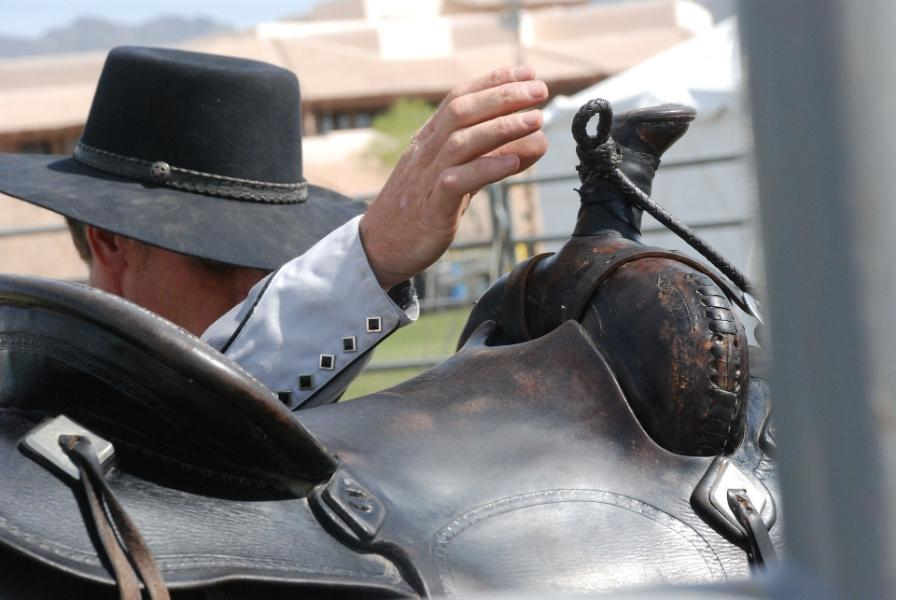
{"x": 226, "y": 116}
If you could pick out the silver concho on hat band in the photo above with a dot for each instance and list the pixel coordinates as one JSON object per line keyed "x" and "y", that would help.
{"x": 162, "y": 173}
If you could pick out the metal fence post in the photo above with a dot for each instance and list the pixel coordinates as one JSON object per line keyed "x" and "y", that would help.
{"x": 821, "y": 75}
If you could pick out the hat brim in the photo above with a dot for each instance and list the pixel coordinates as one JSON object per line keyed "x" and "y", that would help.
{"x": 236, "y": 232}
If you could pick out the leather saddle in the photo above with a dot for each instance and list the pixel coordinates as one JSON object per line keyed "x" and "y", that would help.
{"x": 515, "y": 466}
{"x": 135, "y": 459}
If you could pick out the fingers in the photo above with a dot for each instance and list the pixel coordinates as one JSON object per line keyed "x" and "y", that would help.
{"x": 493, "y": 79}
{"x": 459, "y": 111}
{"x": 475, "y": 138}
{"x": 455, "y": 184}
{"x": 529, "y": 149}
{"x": 480, "y": 106}
{"x": 483, "y": 138}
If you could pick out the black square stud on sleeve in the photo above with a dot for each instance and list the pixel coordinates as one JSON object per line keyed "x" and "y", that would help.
{"x": 326, "y": 361}
{"x": 285, "y": 398}
{"x": 305, "y": 382}
{"x": 349, "y": 343}
{"x": 373, "y": 324}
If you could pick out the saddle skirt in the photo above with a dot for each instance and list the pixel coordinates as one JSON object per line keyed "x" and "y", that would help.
{"x": 505, "y": 467}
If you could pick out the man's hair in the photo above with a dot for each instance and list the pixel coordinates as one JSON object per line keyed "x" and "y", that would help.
{"x": 79, "y": 238}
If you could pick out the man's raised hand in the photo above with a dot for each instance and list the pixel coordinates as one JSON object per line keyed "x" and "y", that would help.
{"x": 475, "y": 137}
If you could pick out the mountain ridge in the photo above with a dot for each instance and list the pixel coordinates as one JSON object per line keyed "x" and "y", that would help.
{"x": 97, "y": 33}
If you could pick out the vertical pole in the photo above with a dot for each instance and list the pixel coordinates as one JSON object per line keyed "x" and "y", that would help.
{"x": 509, "y": 250}
{"x": 821, "y": 79}
{"x": 495, "y": 265}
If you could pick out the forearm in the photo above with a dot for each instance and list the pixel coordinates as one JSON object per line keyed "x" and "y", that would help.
{"x": 310, "y": 322}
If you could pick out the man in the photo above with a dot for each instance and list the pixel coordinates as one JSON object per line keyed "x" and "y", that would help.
{"x": 188, "y": 180}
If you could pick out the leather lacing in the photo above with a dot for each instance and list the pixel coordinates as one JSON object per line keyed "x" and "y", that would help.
{"x": 122, "y": 543}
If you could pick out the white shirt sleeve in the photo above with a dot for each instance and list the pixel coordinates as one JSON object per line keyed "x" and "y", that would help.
{"x": 313, "y": 320}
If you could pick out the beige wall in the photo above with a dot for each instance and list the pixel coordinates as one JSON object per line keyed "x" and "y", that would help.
{"x": 48, "y": 254}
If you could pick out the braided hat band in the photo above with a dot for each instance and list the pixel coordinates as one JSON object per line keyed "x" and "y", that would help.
{"x": 162, "y": 173}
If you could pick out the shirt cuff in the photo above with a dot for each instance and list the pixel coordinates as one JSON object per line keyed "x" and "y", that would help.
{"x": 313, "y": 318}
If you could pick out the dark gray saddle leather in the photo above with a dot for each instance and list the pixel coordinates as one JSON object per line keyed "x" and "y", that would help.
{"x": 211, "y": 467}
{"x": 522, "y": 467}
{"x": 518, "y": 466}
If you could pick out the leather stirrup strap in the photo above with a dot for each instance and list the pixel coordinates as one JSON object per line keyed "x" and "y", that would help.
{"x": 605, "y": 266}
{"x": 760, "y": 549}
{"x": 513, "y": 320}
{"x": 103, "y": 504}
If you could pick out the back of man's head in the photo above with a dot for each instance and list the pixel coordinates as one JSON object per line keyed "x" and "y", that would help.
{"x": 189, "y": 291}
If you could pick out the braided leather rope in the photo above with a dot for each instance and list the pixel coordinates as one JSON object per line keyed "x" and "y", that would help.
{"x": 162, "y": 173}
{"x": 600, "y": 156}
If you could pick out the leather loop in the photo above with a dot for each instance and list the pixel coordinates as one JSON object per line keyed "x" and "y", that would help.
{"x": 760, "y": 549}
{"x": 103, "y": 505}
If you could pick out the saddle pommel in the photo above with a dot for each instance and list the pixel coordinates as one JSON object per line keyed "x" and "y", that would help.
{"x": 663, "y": 320}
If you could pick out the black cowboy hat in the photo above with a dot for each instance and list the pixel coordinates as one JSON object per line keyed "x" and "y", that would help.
{"x": 195, "y": 153}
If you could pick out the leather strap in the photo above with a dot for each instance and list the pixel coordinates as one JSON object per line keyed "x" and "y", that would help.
{"x": 103, "y": 505}
{"x": 760, "y": 549}
{"x": 162, "y": 173}
{"x": 514, "y": 322}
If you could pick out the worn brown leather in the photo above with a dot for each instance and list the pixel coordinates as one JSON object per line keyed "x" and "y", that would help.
{"x": 664, "y": 321}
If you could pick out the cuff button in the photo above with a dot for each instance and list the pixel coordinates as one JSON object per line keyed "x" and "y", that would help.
{"x": 373, "y": 324}
{"x": 305, "y": 382}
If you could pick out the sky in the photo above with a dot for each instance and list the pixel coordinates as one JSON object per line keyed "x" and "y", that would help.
{"x": 30, "y": 18}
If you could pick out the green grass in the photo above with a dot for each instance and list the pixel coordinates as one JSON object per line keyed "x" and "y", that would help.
{"x": 434, "y": 335}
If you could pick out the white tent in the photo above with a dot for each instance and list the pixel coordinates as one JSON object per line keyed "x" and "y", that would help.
{"x": 704, "y": 179}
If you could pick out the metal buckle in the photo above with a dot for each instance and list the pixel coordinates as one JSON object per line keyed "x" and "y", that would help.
{"x": 760, "y": 549}
{"x": 711, "y": 496}
{"x": 353, "y": 510}
{"x": 43, "y": 443}
{"x": 753, "y": 307}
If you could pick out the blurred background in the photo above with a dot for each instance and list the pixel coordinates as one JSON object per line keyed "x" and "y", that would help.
{"x": 371, "y": 72}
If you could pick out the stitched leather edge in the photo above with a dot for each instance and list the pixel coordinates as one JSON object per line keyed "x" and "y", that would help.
{"x": 441, "y": 540}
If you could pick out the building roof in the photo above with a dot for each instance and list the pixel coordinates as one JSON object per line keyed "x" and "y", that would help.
{"x": 360, "y": 59}
{"x": 343, "y": 58}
